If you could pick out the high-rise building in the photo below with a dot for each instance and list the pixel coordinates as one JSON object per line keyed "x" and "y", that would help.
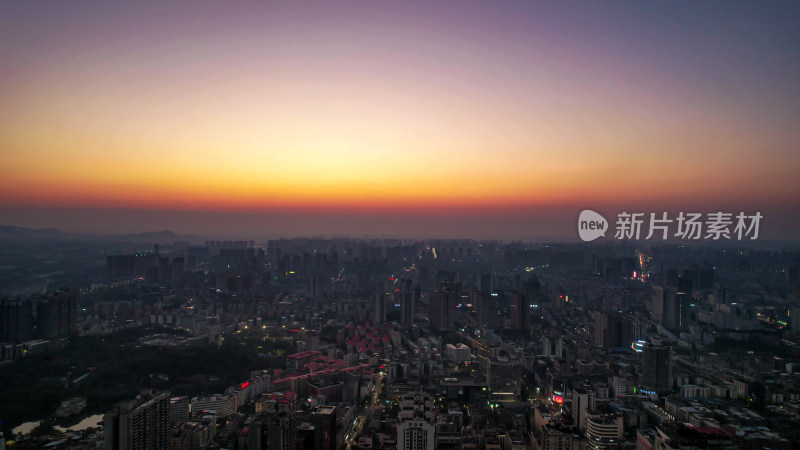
{"x": 312, "y": 340}
{"x": 794, "y": 316}
{"x": 504, "y": 378}
{"x": 272, "y": 431}
{"x": 177, "y": 270}
{"x": 179, "y": 409}
{"x": 658, "y": 303}
{"x": 553, "y": 438}
{"x": 603, "y": 431}
{"x": 415, "y": 435}
{"x": 485, "y": 312}
{"x": 56, "y": 314}
{"x": 415, "y": 423}
{"x": 583, "y": 404}
{"x": 485, "y": 352}
{"x": 317, "y": 286}
{"x": 224, "y": 405}
{"x": 443, "y": 304}
{"x": 612, "y": 331}
{"x": 519, "y": 311}
{"x": 682, "y": 309}
{"x": 139, "y": 424}
{"x": 485, "y": 283}
{"x": 324, "y": 420}
{"x": 677, "y": 310}
{"x": 380, "y": 307}
{"x": 656, "y": 369}
{"x": 16, "y": 317}
{"x": 685, "y": 283}
{"x": 533, "y": 289}
{"x": 408, "y": 303}
{"x": 797, "y": 296}
{"x": 600, "y": 329}
{"x": 164, "y": 270}
{"x": 352, "y": 386}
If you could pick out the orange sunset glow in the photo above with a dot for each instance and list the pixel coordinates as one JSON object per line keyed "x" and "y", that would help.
{"x": 390, "y": 108}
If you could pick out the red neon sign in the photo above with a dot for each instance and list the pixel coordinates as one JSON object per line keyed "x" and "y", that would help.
{"x": 245, "y": 384}
{"x": 558, "y": 399}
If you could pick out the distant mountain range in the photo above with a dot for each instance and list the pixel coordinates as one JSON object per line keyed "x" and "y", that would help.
{"x": 10, "y": 232}
{"x": 166, "y": 234}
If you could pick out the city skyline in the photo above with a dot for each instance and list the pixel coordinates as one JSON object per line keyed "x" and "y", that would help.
{"x": 476, "y": 120}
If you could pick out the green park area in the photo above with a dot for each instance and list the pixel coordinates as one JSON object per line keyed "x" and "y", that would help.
{"x": 107, "y": 369}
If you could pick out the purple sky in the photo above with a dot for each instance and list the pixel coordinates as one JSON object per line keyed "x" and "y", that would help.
{"x": 469, "y": 119}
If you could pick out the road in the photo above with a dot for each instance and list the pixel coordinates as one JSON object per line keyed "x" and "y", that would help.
{"x": 351, "y": 437}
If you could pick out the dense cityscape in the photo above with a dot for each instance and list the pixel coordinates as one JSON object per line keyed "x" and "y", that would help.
{"x": 415, "y": 225}
{"x": 345, "y": 343}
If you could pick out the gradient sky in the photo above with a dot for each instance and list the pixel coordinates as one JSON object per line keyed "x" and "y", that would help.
{"x": 471, "y": 119}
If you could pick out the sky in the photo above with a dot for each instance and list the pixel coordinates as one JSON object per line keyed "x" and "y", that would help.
{"x": 410, "y": 119}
